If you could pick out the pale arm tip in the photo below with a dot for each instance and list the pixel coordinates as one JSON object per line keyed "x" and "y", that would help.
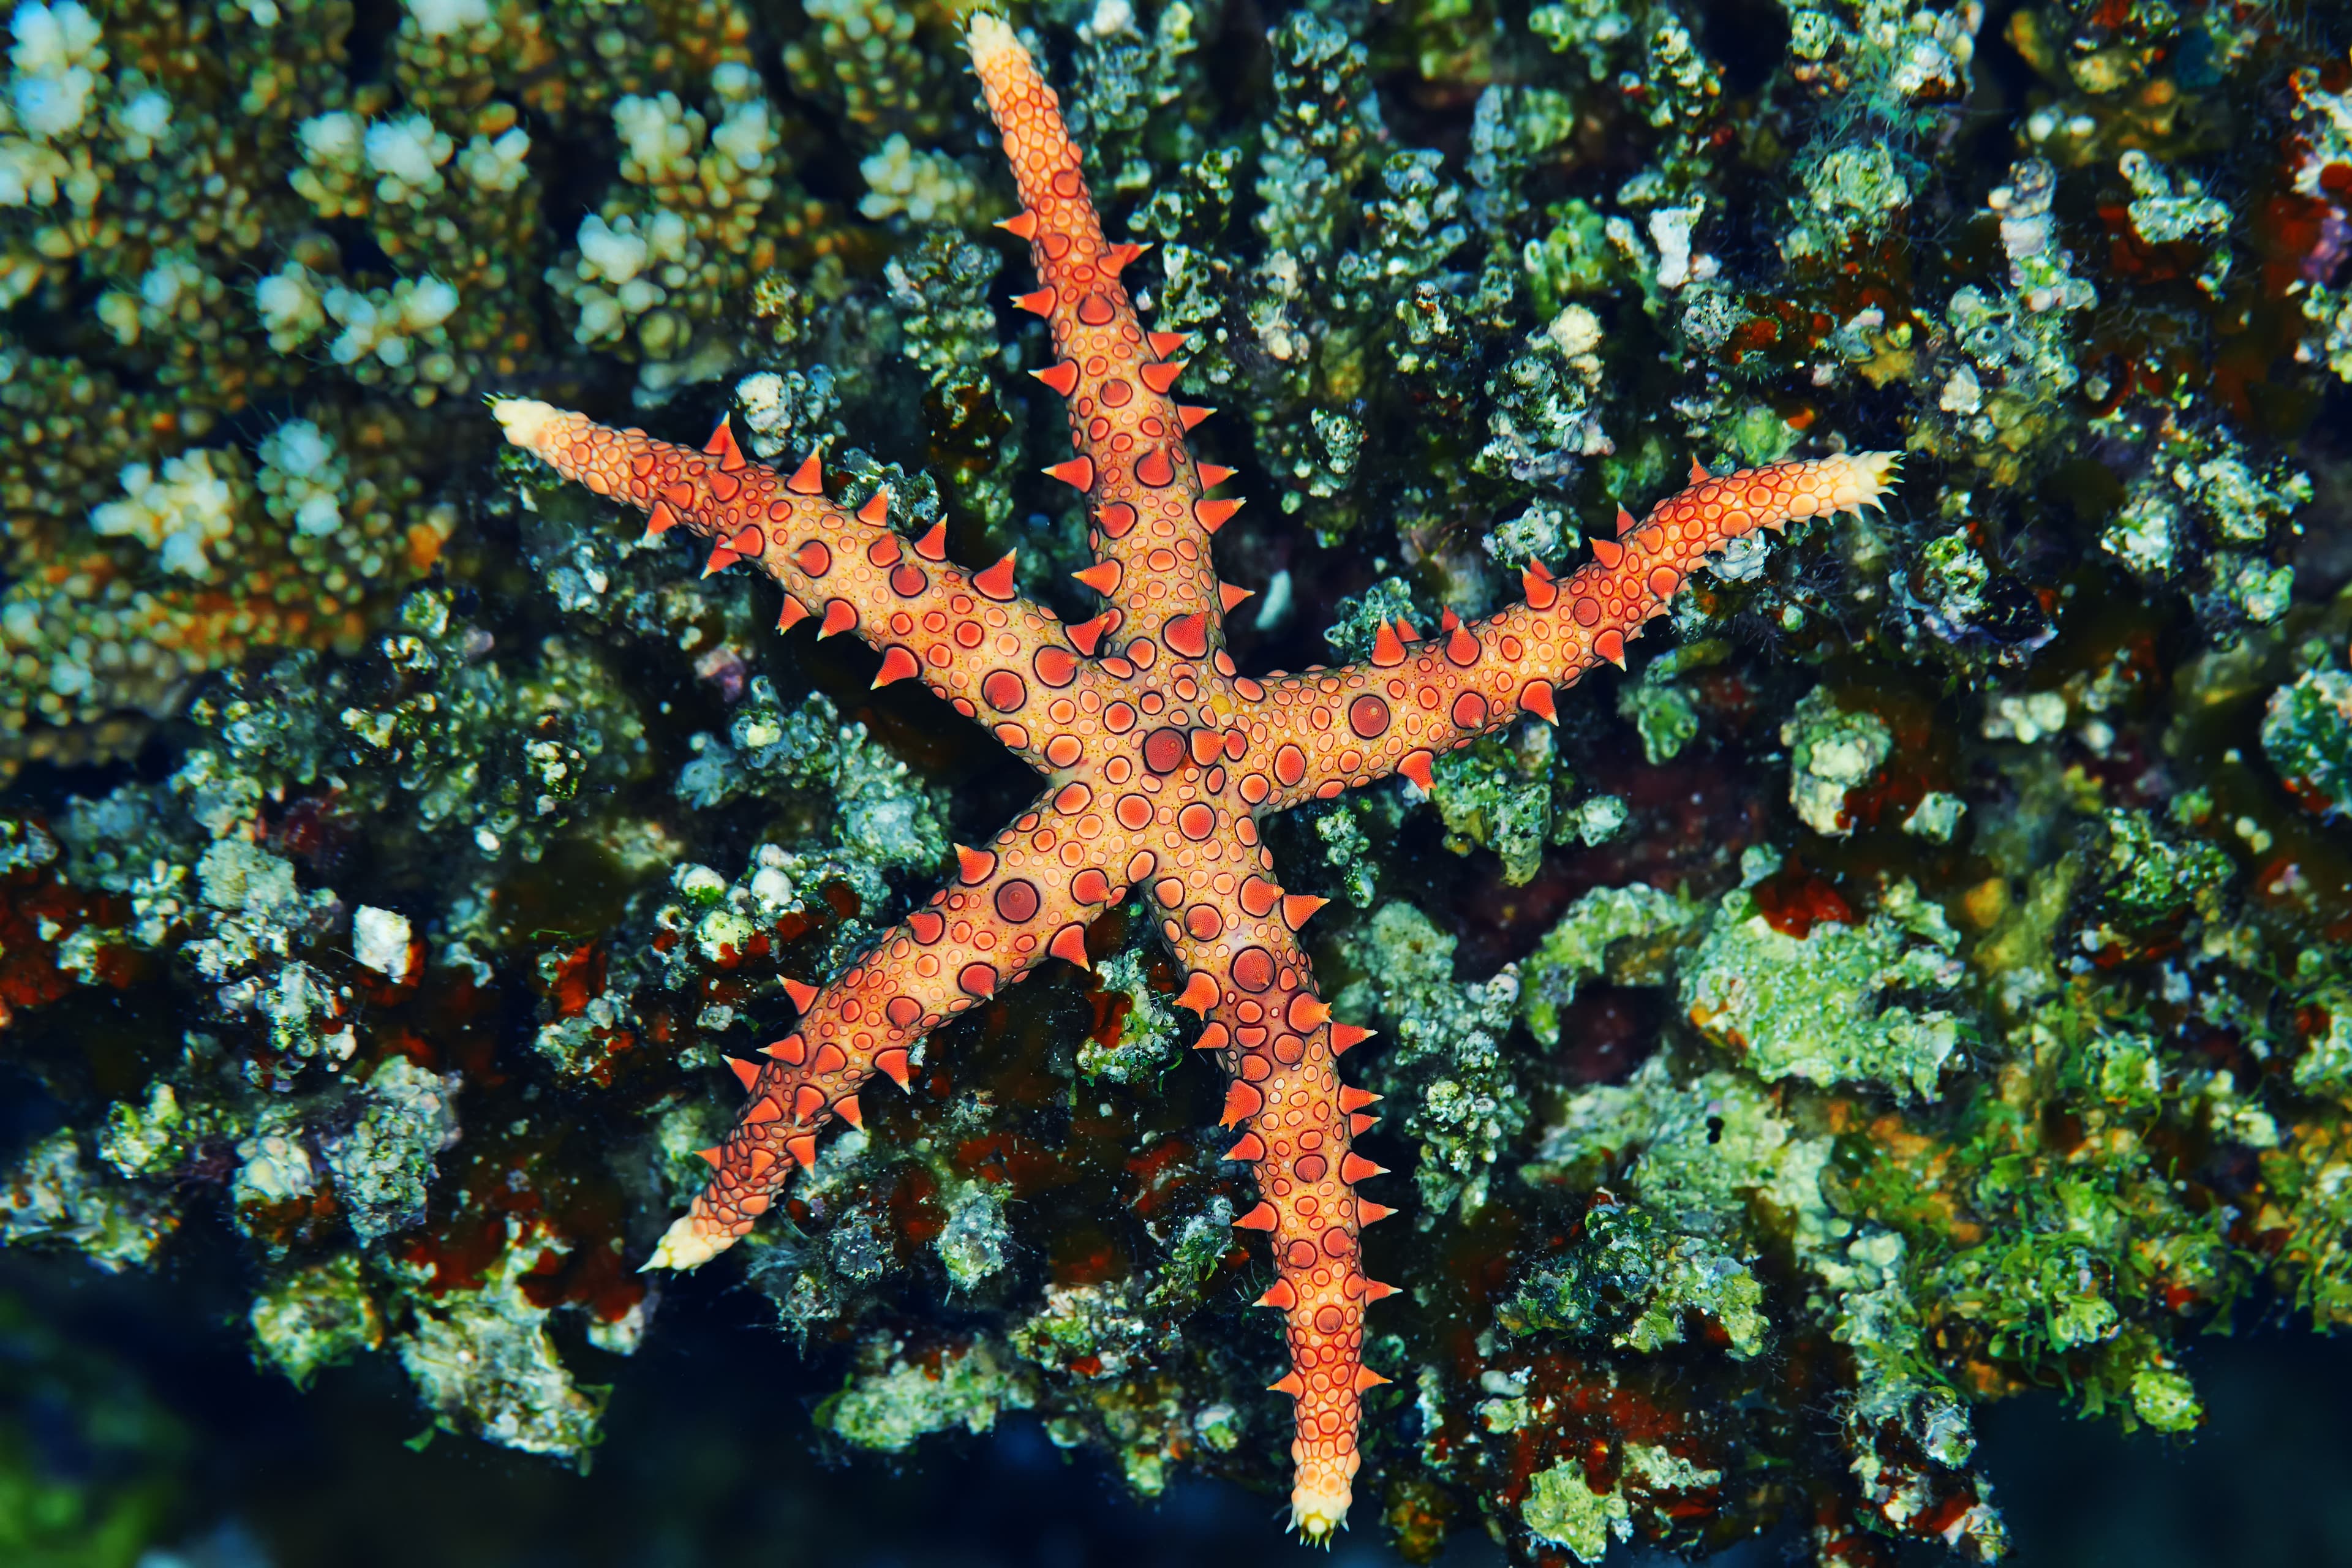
{"x": 988, "y": 37}
{"x": 522, "y": 418}
{"x": 686, "y": 1245}
{"x": 1860, "y": 479}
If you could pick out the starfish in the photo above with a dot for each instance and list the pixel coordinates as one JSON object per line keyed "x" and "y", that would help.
{"x": 1159, "y": 757}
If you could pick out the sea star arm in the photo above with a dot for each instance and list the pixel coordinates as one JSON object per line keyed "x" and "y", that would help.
{"x": 1412, "y": 701}
{"x": 1025, "y": 897}
{"x": 1276, "y": 1038}
{"x": 995, "y": 656}
{"x": 1146, "y": 495}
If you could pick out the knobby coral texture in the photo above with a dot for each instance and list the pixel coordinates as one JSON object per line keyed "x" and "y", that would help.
{"x": 1905, "y": 970}
{"x": 1161, "y": 757}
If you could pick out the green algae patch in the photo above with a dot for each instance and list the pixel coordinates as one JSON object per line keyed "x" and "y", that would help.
{"x": 1136, "y": 1042}
{"x": 1632, "y": 1283}
{"x": 318, "y": 1316}
{"x": 54, "y": 1195}
{"x": 1700, "y": 1144}
{"x": 1831, "y": 751}
{"x": 1628, "y": 933}
{"x": 1662, "y": 714}
{"x": 1820, "y": 1006}
{"x": 2166, "y": 1400}
{"x": 2308, "y": 1215}
{"x": 2307, "y": 735}
{"x": 485, "y": 1365}
{"x": 2326, "y": 1066}
{"x": 2152, "y": 875}
{"x": 1497, "y": 794}
{"x": 1446, "y": 1068}
{"x": 975, "y": 1242}
{"x": 1514, "y": 793}
{"x": 889, "y": 1407}
{"x": 1660, "y": 1470}
{"x": 1562, "y": 1510}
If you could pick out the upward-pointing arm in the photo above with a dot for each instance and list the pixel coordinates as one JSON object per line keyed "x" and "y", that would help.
{"x": 993, "y": 655}
{"x": 1144, "y": 490}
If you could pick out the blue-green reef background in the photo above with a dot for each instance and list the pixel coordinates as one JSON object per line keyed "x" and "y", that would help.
{"x": 1874, "y": 1086}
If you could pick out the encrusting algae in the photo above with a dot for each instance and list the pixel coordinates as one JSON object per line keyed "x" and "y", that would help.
{"x": 1913, "y": 977}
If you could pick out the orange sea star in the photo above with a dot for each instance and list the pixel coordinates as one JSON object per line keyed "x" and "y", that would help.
{"x": 1161, "y": 757}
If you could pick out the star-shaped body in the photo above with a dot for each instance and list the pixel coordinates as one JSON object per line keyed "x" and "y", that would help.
{"x": 1159, "y": 757}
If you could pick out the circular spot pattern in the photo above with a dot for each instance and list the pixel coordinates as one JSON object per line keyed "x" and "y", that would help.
{"x": 1163, "y": 749}
{"x": 1003, "y": 691}
{"x": 1017, "y": 901}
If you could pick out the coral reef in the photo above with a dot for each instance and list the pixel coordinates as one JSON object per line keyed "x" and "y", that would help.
{"x": 1917, "y": 979}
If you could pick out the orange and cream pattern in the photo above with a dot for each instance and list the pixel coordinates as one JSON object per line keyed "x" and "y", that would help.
{"x": 1159, "y": 757}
